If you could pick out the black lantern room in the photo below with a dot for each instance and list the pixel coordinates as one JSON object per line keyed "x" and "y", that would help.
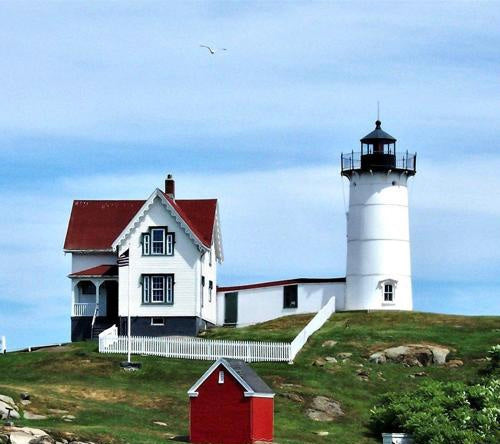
{"x": 378, "y": 153}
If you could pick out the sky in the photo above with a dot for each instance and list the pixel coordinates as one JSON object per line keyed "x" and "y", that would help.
{"x": 100, "y": 100}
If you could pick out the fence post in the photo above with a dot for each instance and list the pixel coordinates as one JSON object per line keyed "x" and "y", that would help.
{"x": 3, "y": 345}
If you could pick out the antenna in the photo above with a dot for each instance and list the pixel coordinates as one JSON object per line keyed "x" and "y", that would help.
{"x": 378, "y": 110}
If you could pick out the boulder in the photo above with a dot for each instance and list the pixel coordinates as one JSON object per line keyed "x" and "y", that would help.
{"x": 6, "y": 407}
{"x": 439, "y": 354}
{"x": 344, "y": 355}
{"x": 331, "y": 359}
{"x": 454, "y": 363}
{"x": 330, "y": 343}
{"x": 33, "y": 416}
{"x": 7, "y": 400}
{"x": 28, "y": 435}
{"x": 319, "y": 362}
{"x": 324, "y": 409}
{"x": 378, "y": 358}
{"x": 321, "y": 433}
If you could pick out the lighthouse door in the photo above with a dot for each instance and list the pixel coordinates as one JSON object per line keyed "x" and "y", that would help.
{"x": 231, "y": 308}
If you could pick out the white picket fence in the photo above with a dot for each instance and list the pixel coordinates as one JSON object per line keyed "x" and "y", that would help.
{"x": 209, "y": 349}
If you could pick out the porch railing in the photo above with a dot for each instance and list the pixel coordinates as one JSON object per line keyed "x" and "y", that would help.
{"x": 84, "y": 309}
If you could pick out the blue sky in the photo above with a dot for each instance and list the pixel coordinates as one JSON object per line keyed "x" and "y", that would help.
{"x": 101, "y": 100}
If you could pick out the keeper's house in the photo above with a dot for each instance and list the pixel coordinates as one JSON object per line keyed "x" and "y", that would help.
{"x": 155, "y": 259}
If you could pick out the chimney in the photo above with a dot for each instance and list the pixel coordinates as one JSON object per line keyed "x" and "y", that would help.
{"x": 170, "y": 186}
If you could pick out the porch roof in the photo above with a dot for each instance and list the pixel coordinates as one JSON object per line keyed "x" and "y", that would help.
{"x": 99, "y": 271}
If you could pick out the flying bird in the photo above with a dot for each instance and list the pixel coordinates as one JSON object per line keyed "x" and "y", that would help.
{"x": 213, "y": 50}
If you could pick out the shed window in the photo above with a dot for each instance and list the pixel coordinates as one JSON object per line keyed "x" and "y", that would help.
{"x": 290, "y": 299}
{"x": 388, "y": 293}
{"x": 221, "y": 377}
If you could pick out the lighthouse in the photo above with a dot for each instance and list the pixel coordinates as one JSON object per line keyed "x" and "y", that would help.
{"x": 378, "y": 270}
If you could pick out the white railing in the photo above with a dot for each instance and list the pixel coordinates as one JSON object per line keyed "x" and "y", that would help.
{"x": 84, "y": 309}
{"x": 313, "y": 325}
{"x": 185, "y": 347}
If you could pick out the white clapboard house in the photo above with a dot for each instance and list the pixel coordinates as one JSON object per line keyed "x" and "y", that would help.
{"x": 157, "y": 259}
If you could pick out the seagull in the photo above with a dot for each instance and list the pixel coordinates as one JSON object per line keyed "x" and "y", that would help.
{"x": 213, "y": 50}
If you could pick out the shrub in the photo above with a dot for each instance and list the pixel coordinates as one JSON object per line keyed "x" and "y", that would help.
{"x": 494, "y": 358}
{"x": 442, "y": 413}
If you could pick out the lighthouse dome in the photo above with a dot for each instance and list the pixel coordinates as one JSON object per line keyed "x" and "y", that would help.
{"x": 378, "y": 135}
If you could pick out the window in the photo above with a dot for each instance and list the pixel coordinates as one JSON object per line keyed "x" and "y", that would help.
{"x": 210, "y": 287}
{"x": 157, "y": 322}
{"x": 221, "y": 377}
{"x": 290, "y": 296}
{"x": 388, "y": 293}
{"x": 158, "y": 289}
{"x": 158, "y": 242}
{"x": 210, "y": 259}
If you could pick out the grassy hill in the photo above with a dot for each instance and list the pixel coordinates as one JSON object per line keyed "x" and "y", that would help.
{"x": 114, "y": 406}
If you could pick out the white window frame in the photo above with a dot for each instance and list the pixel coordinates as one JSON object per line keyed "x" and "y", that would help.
{"x": 202, "y": 291}
{"x": 162, "y": 280}
{"x": 221, "y": 376}
{"x": 162, "y": 242}
{"x": 157, "y": 324}
{"x": 210, "y": 288}
{"x": 169, "y": 295}
{"x": 382, "y": 285}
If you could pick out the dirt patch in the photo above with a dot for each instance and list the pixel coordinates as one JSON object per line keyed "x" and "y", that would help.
{"x": 55, "y": 349}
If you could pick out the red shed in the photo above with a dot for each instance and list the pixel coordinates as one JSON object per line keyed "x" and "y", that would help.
{"x": 230, "y": 404}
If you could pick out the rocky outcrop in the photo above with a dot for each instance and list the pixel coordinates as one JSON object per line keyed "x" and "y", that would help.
{"x": 28, "y": 435}
{"x": 8, "y": 408}
{"x": 412, "y": 355}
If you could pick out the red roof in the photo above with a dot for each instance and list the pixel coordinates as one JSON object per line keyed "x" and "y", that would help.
{"x": 100, "y": 270}
{"x": 95, "y": 224}
{"x": 280, "y": 283}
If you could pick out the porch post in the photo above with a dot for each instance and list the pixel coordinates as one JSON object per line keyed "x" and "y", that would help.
{"x": 74, "y": 287}
{"x": 97, "y": 283}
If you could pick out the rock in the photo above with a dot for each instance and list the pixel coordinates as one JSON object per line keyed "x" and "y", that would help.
{"x": 25, "y": 396}
{"x": 8, "y": 410}
{"x": 4, "y": 439}
{"x": 344, "y": 355}
{"x": 330, "y": 343}
{"x": 321, "y": 433}
{"x": 28, "y": 435}
{"x": 324, "y": 409}
{"x": 71, "y": 417}
{"x": 43, "y": 440}
{"x": 58, "y": 411}
{"x": 33, "y": 416}
{"x": 25, "y": 402}
{"x": 454, "y": 363}
{"x": 331, "y": 359}
{"x": 410, "y": 355}
{"x": 439, "y": 354}
{"x": 319, "y": 362}
{"x": 293, "y": 397}
{"x": 160, "y": 423}
{"x": 378, "y": 358}
{"x": 418, "y": 375}
{"x": 7, "y": 400}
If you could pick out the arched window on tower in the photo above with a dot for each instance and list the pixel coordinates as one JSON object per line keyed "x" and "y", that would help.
{"x": 388, "y": 290}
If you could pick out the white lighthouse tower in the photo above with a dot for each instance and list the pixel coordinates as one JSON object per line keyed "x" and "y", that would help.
{"x": 378, "y": 275}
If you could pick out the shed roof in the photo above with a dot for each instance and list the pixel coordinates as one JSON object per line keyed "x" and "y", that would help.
{"x": 98, "y": 271}
{"x": 280, "y": 283}
{"x": 251, "y": 382}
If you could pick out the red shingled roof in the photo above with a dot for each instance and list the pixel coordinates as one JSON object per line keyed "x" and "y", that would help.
{"x": 95, "y": 224}
{"x": 100, "y": 270}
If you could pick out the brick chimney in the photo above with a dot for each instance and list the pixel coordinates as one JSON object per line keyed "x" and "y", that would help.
{"x": 170, "y": 186}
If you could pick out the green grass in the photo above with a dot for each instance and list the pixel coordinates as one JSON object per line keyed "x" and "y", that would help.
{"x": 113, "y": 406}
